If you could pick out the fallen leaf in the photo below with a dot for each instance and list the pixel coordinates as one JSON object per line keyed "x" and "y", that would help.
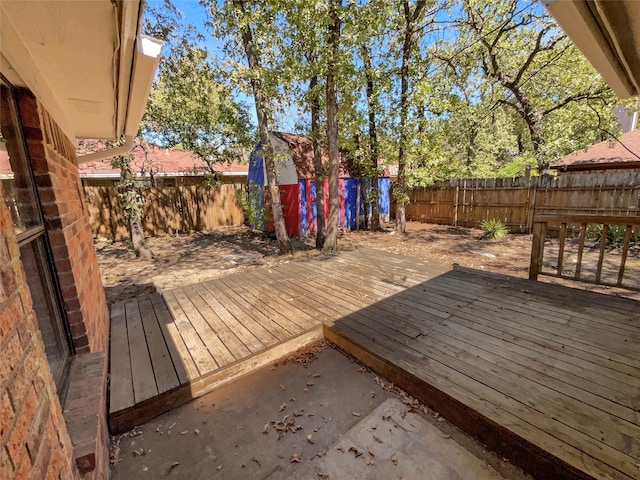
{"x": 356, "y": 452}
{"x": 356, "y": 414}
{"x": 265, "y": 428}
{"x": 219, "y": 467}
{"x": 174, "y": 465}
{"x": 310, "y": 439}
{"x": 310, "y": 384}
{"x": 446, "y": 436}
{"x": 282, "y": 387}
{"x": 283, "y": 406}
{"x": 316, "y": 375}
{"x": 394, "y": 460}
{"x": 377, "y": 439}
{"x": 370, "y": 452}
{"x": 340, "y": 449}
{"x": 184, "y": 432}
{"x": 138, "y": 452}
{"x": 369, "y": 461}
{"x": 298, "y": 414}
{"x": 321, "y": 453}
{"x": 363, "y": 370}
{"x": 196, "y": 431}
{"x": 323, "y": 475}
{"x": 295, "y": 458}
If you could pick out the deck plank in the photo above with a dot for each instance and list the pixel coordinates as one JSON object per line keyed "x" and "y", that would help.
{"x": 122, "y": 396}
{"x": 144, "y": 383}
{"x": 235, "y": 346}
{"x": 248, "y": 338}
{"x": 180, "y": 357}
{"x": 212, "y": 342}
{"x": 262, "y": 298}
{"x": 202, "y": 359}
{"x": 163, "y": 369}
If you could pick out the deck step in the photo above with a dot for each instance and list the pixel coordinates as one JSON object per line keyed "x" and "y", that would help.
{"x": 151, "y": 373}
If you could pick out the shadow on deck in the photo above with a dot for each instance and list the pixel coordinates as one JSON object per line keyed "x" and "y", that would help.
{"x": 547, "y": 376}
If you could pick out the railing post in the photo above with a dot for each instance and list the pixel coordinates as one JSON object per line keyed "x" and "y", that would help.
{"x": 537, "y": 249}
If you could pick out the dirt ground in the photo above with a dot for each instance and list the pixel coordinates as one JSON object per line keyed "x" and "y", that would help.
{"x": 197, "y": 257}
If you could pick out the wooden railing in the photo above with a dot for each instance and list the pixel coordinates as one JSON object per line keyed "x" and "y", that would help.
{"x": 608, "y": 270}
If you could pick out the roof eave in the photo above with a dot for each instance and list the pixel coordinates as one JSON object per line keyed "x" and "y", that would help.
{"x": 605, "y": 37}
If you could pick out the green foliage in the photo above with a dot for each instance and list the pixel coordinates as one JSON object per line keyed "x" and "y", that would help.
{"x": 191, "y": 102}
{"x": 493, "y": 88}
{"x": 493, "y": 229}
{"x": 254, "y": 213}
{"x": 615, "y": 234}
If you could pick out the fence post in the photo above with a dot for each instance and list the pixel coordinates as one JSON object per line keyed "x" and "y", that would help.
{"x": 531, "y": 202}
{"x": 455, "y": 206}
{"x": 537, "y": 249}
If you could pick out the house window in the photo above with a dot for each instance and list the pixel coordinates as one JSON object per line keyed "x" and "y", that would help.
{"x": 21, "y": 198}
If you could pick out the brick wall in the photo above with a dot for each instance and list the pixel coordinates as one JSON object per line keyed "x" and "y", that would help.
{"x": 36, "y": 440}
{"x": 33, "y": 436}
{"x": 66, "y": 218}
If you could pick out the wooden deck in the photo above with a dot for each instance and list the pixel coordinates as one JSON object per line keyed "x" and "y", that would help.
{"x": 547, "y": 376}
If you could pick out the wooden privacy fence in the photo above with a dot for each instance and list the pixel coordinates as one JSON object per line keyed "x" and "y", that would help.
{"x": 166, "y": 210}
{"x": 515, "y": 201}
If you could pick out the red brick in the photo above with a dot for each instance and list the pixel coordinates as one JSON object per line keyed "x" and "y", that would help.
{"x": 9, "y": 280}
{"x": 6, "y": 416}
{"x": 6, "y": 467}
{"x": 11, "y": 356}
{"x": 10, "y": 314}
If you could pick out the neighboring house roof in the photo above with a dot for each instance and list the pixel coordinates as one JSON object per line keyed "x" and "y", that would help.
{"x": 147, "y": 159}
{"x": 604, "y": 155}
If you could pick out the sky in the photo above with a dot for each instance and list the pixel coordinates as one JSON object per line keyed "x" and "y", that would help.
{"x": 195, "y": 14}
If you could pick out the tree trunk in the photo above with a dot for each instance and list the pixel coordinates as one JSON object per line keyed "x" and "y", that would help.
{"x": 317, "y": 161}
{"x": 140, "y": 246}
{"x": 284, "y": 243}
{"x": 331, "y": 240}
{"x": 372, "y": 169}
{"x": 132, "y": 203}
{"x": 400, "y": 191}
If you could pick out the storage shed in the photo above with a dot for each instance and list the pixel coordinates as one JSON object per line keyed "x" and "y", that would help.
{"x": 295, "y": 177}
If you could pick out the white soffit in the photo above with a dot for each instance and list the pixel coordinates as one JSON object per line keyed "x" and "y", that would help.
{"x": 608, "y": 34}
{"x": 78, "y": 58}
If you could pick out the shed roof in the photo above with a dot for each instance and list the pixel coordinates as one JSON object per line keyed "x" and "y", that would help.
{"x": 302, "y": 155}
{"x": 148, "y": 158}
{"x": 623, "y": 153}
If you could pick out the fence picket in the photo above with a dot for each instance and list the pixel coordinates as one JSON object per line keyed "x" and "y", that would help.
{"x": 466, "y": 202}
{"x": 167, "y": 210}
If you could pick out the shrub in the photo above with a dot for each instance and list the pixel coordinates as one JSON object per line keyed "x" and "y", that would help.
{"x": 254, "y": 214}
{"x": 493, "y": 229}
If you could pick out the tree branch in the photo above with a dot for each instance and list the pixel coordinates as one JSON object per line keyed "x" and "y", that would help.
{"x": 574, "y": 98}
